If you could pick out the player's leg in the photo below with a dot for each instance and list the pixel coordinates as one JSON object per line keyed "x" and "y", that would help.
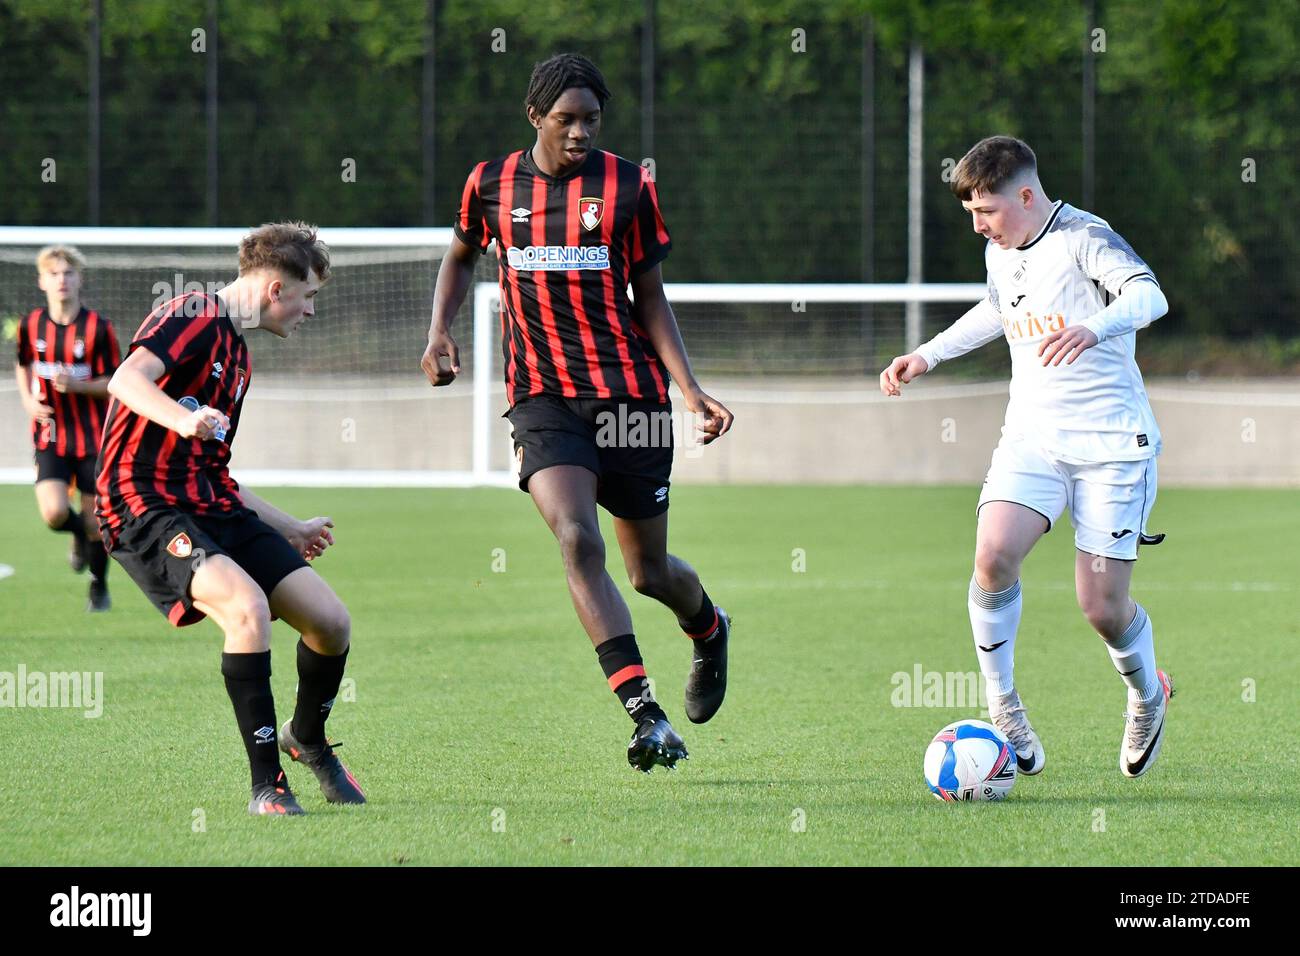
{"x": 223, "y": 591}
{"x": 565, "y": 495}
{"x": 672, "y": 582}
{"x": 93, "y": 547}
{"x": 1005, "y": 535}
{"x": 1022, "y": 495}
{"x": 53, "y": 474}
{"x": 306, "y": 603}
{"x": 1111, "y": 505}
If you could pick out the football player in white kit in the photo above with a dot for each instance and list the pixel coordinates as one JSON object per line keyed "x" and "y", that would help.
{"x": 1068, "y": 293}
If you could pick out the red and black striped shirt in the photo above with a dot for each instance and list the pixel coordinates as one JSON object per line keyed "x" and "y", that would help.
{"x": 85, "y": 348}
{"x": 143, "y": 465}
{"x": 566, "y": 250}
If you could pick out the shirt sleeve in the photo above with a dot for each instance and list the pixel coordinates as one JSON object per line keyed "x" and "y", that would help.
{"x": 1138, "y": 305}
{"x": 25, "y": 355}
{"x": 650, "y": 240}
{"x": 979, "y": 326}
{"x": 1105, "y": 258}
{"x": 471, "y": 226}
{"x": 107, "y": 356}
{"x": 179, "y": 334}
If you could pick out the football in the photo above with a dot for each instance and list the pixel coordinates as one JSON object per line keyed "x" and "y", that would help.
{"x": 970, "y": 760}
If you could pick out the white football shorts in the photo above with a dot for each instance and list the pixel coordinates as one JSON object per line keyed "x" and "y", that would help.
{"x": 1109, "y": 503}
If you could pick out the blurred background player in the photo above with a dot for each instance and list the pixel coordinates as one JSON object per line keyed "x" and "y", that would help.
{"x": 194, "y": 541}
{"x": 573, "y": 226}
{"x": 1069, "y": 294}
{"x": 66, "y": 354}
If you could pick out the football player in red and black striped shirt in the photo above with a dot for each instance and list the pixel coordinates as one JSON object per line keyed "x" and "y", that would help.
{"x": 195, "y": 541}
{"x": 587, "y": 373}
{"x": 66, "y": 354}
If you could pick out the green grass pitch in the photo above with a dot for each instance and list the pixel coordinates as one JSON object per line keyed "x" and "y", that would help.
{"x": 484, "y": 734}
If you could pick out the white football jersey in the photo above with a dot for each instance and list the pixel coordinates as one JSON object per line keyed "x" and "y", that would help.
{"x": 1095, "y": 410}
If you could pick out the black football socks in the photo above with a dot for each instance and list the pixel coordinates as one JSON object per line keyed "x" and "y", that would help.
{"x": 73, "y": 525}
{"x": 319, "y": 676}
{"x": 248, "y": 682}
{"x": 96, "y": 559}
{"x": 704, "y": 624}
{"x": 621, "y": 661}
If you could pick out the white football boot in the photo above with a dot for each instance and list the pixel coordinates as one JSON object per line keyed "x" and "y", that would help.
{"x": 1008, "y": 715}
{"x": 1144, "y": 730}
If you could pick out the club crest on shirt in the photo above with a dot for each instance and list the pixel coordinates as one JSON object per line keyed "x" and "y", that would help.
{"x": 39, "y": 345}
{"x": 591, "y": 210}
{"x": 1018, "y": 277}
{"x": 79, "y": 349}
{"x": 180, "y": 546}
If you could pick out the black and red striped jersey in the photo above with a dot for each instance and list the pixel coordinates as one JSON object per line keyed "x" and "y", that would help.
{"x": 85, "y": 348}
{"x": 143, "y": 465}
{"x": 567, "y": 248}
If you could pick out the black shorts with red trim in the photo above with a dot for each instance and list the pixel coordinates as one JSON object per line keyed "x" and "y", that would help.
{"x": 162, "y": 549}
{"x": 627, "y": 443}
{"x": 69, "y": 469}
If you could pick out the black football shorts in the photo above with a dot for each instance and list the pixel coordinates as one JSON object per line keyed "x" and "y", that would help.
{"x": 162, "y": 549}
{"x": 627, "y": 443}
{"x": 67, "y": 469}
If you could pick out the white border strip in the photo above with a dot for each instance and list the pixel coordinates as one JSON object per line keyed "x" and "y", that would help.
{"x": 848, "y": 292}
{"x": 211, "y": 237}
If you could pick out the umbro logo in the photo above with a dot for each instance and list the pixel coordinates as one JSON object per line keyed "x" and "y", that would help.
{"x": 520, "y": 214}
{"x": 1120, "y": 534}
{"x": 217, "y": 370}
{"x": 1016, "y": 301}
{"x": 264, "y": 734}
{"x": 661, "y": 495}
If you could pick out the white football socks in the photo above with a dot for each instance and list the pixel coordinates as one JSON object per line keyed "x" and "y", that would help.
{"x": 994, "y": 620}
{"x": 1134, "y": 656}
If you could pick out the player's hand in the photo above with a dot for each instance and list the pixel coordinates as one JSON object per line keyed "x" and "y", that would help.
{"x": 1069, "y": 343}
{"x": 61, "y": 381}
{"x": 312, "y": 537}
{"x": 441, "y": 345}
{"x": 716, "y": 418}
{"x": 900, "y": 371}
{"x": 203, "y": 424}
{"x": 39, "y": 410}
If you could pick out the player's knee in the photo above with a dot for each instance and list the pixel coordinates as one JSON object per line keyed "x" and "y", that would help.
{"x": 1105, "y": 616}
{"x": 248, "y": 617}
{"x": 996, "y": 568}
{"x": 333, "y": 629}
{"x": 579, "y": 544}
{"x": 54, "y": 517}
{"x": 649, "y": 577}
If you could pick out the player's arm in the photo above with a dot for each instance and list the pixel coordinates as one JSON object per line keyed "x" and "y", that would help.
{"x": 135, "y": 385}
{"x": 655, "y": 315}
{"x": 1139, "y": 304}
{"x": 33, "y": 406}
{"x": 454, "y": 277}
{"x": 94, "y": 387}
{"x": 1108, "y": 260}
{"x": 309, "y": 538}
{"x": 979, "y": 326}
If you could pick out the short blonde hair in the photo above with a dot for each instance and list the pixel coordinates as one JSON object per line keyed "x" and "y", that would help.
{"x": 69, "y": 254}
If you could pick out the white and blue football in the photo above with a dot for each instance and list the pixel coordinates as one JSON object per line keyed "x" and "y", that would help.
{"x": 970, "y": 760}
